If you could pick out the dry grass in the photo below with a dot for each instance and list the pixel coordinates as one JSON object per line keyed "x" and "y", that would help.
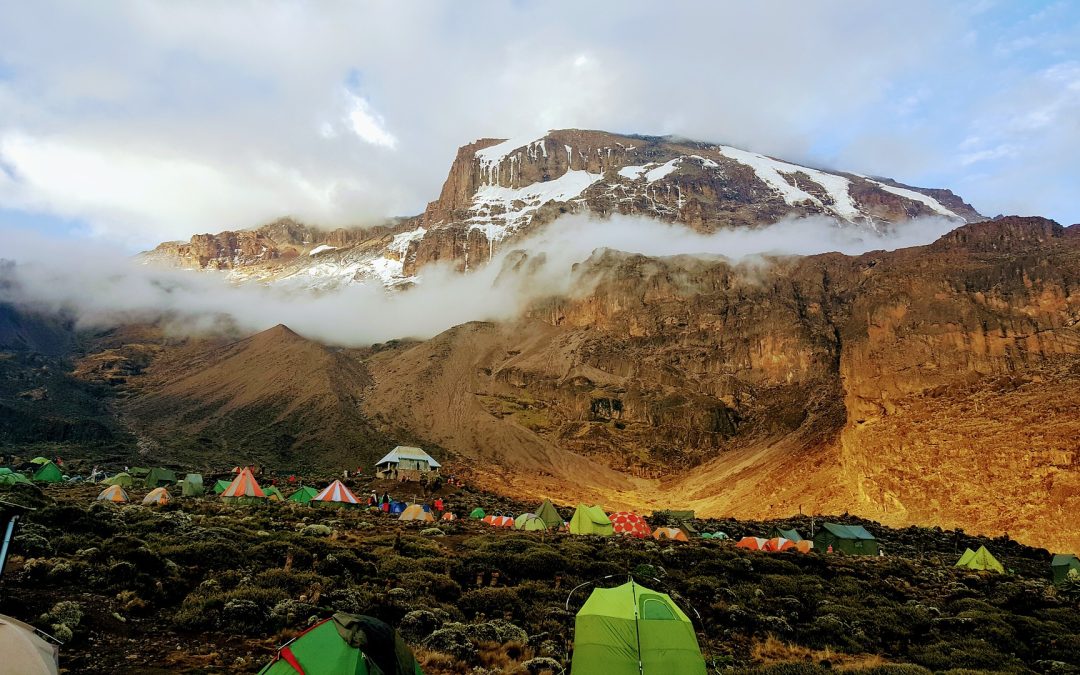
{"x": 771, "y": 651}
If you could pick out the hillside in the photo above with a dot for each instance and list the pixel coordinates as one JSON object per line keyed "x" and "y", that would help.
{"x": 929, "y": 385}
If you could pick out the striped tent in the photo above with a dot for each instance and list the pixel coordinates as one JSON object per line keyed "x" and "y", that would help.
{"x": 335, "y": 493}
{"x": 503, "y": 521}
{"x": 244, "y": 489}
{"x": 778, "y": 544}
{"x": 672, "y": 533}
{"x": 113, "y": 493}
{"x": 629, "y": 523}
{"x": 490, "y": 520}
{"x": 416, "y": 512}
{"x": 159, "y": 496}
{"x": 752, "y": 543}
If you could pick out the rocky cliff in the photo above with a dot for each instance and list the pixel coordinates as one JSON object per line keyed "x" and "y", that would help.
{"x": 498, "y": 191}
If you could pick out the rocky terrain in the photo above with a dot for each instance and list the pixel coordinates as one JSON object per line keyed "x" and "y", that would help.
{"x": 931, "y": 385}
{"x": 500, "y": 190}
{"x": 198, "y": 586}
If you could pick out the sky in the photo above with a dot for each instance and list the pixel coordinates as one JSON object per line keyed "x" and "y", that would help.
{"x": 134, "y": 122}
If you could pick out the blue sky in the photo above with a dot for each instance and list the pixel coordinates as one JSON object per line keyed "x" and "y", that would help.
{"x": 136, "y": 122}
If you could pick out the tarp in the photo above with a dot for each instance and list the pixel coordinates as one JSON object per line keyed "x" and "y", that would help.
{"x": 549, "y": 514}
{"x": 221, "y": 486}
{"x": 336, "y": 493}
{"x": 159, "y": 477}
{"x": 416, "y": 512}
{"x": 1062, "y": 563}
{"x": 850, "y": 539}
{"x": 192, "y": 486}
{"x": 673, "y": 533}
{"x": 244, "y": 489}
{"x": 980, "y": 560}
{"x": 122, "y": 479}
{"x": 477, "y": 513}
{"x": 48, "y": 473}
{"x": 24, "y": 652}
{"x": 345, "y": 644}
{"x": 530, "y": 522}
{"x": 113, "y": 493}
{"x": 158, "y": 497}
{"x": 629, "y": 523}
{"x": 631, "y": 629}
{"x": 591, "y": 520}
{"x": 790, "y": 535}
{"x": 13, "y": 477}
{"x": 303, "y": 496}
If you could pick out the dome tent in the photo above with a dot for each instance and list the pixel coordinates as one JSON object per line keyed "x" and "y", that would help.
{"x": 591, "y": 520}
{"x": 48, "y": 473}
{"x": 122, "y": 479}
{"x": 477, "y": 513}
{"x": 113, "y": 493}
{"x": 530, "y": 522}
{"x": 631, "y": 629}
{"x": 630, "y": 523}
{"x": 345, "y": 644}
{"x": 24, "y": 651}
{"x": 157, "y": 497}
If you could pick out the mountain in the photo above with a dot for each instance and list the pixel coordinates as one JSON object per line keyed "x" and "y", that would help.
{"x": 500, "y": 190}
{"x": 935, "y": 384}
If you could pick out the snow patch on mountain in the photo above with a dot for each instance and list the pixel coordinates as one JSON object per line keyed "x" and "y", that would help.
{"x": 915, "y": 196}
{"x": 320, "y": 248}
{"x": 498, "y": 211}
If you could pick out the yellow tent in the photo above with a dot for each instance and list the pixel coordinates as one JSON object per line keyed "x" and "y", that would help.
{"x": 416, "y": 512}
{"x": 591, "y": 520}
{"x": 980, "y": 560}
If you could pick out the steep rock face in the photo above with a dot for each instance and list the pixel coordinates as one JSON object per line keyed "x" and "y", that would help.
{"x": 499, "y": 191}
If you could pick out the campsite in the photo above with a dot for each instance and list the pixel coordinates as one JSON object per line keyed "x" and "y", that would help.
{"x": 153, "y": 573}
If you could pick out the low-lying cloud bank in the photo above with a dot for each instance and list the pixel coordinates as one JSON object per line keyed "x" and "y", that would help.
{"x": 100, "y": 287}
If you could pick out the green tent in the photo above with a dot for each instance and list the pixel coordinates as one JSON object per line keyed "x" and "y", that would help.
{"x": 273, "y": 493}
{"x": 591, "y": 520}
{"x": 9, "y": 477}
{"x": 39, "y": 460}
{"x": 138, "y": 472}
{"x": 632, "y": 630}
{"x": 122, "y": 479}
{"x": 980, "y": 560}
{"x": 304, "y": 495}
{"x": 160, "y": 478}
{"x": 790, "y": 535}
{"x": 221, "y": 486}
{"x": 192, "y": 485}
{"x": 530, "y": 522}
{"x": 333, "y": 646}
{"x": 549, "y": 514}
{"x": 477, "y": 513}
{"x": 48, "y": 473}
{"x": 850, "y": 539}
{"x": 1062, "y": 563}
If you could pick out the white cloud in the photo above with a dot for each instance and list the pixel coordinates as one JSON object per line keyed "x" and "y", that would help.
{"x": 368, "y": 124}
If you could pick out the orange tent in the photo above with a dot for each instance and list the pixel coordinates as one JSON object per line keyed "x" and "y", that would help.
{"x": 335, "y": 493}
{"x": 503, "y": 521}
{"x": 778, "y": 544}
{"x": 244, "y": 487}
{"x": 157, "y": 496}
{"x": 752, "y": 543}
{"x": 490, "y": 520}
{"x": 448, "y": 516}
{"x": 804, "y": 546}
{"x": 416, "y": 512}
{"x": 113, "y": 493}
{"x": 673, "y": 533}
{"x": 628, "y": 522}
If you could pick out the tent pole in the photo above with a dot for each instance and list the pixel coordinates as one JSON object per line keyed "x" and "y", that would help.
{"x": 7, "y": 542}
{"x": 637, "y": 628}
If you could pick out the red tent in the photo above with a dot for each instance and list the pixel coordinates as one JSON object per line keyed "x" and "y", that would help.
{"x": 628, "y": 522}
{"x": 752, "y": 543}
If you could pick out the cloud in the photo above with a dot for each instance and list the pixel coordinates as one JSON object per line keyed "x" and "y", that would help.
{"x": 101, "y": 288}
{"x": 251, "y": 94}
